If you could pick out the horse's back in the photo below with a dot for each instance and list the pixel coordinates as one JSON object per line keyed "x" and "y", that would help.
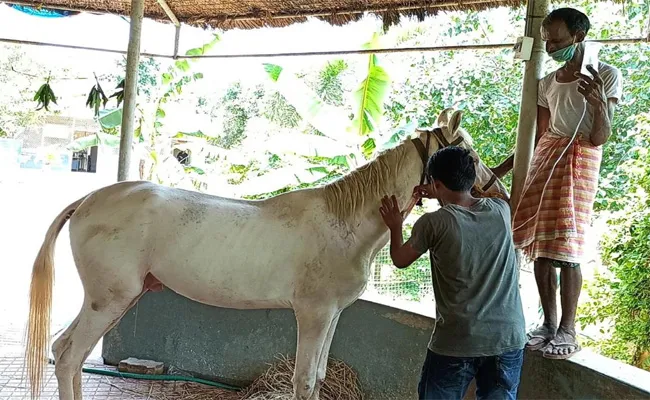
{"x": 220, "y": 251}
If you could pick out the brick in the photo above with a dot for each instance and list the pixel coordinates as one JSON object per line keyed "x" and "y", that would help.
{"x": 137, "y": 366}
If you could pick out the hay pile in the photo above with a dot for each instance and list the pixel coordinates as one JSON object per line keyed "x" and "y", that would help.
{"x": 160, "y": 390}
{"x": 341, "y": 383}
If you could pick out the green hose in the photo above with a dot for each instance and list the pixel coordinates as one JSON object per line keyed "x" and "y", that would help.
{"x": 157, "y": 377}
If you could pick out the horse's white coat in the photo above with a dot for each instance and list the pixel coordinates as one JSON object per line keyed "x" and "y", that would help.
{"x": 290, "y": 251}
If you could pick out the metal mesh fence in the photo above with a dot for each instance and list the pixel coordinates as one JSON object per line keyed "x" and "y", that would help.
{"x": 410, "y": 284}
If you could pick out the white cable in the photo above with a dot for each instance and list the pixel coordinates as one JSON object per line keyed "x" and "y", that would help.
{"x": 584, "y": 112}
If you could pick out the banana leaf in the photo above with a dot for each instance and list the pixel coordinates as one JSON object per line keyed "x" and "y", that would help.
{"x": 304, "y": 144}
{"x": 98, "y": 139}
{"x": 278, "y": 179}
{"x": 370, "y": 94}
{"x": 199, "y": 51}
{"x": 109, "y": 119}
{"x": 330, "y": 120}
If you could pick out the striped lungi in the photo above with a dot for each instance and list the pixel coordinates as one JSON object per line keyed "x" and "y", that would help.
{"x": 551, "y": 218}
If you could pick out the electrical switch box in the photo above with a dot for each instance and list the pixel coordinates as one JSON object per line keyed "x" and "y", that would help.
{"x": 523, "y": 48}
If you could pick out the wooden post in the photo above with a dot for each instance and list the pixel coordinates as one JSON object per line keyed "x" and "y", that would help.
{"x": 130, "y": 90}
{"x": 535, "y": 13}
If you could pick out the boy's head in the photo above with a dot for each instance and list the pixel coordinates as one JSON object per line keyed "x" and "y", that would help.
{"x": 452, "y": 168}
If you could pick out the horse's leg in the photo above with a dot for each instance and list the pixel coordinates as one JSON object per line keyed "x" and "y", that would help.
{"x": 66, "y": 389}
{"x": 313, "y": 325}
{"x": 96, "y": 317}
{"x": 57, "y": 348}
{"x": 76, "y": 385}
{"x": 324, "y": 356}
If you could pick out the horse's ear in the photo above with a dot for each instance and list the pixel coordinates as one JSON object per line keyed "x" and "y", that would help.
{"x": 454, "y": 121}
{"x": 443, "y": 118}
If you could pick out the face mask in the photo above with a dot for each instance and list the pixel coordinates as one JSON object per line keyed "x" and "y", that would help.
{"x": 565, "y": 54}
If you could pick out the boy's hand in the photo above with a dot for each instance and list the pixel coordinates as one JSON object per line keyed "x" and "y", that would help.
{"x": 423, "y": 191}
{"x": 390, "y": 213}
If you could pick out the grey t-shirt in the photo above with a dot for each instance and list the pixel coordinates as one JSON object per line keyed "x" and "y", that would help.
{"x": 475, "y": 279}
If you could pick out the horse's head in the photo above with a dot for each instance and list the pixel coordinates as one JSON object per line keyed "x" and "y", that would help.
{"x": 450, "y": 133}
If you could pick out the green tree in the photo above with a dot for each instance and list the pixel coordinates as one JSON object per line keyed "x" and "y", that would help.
{"x": 236, "y": 107}
{"x": 148, "y": 75}
{"x": 18, "y": 77}
{"x": 620, "y": 296}
{"x": 329, "y": 85}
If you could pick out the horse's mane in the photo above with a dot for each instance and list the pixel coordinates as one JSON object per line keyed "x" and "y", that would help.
{"x": 347, "y": 195}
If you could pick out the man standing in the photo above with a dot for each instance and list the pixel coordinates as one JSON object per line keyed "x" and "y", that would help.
{"x": 557, "y": 199}
{"x": 480, "y": 329}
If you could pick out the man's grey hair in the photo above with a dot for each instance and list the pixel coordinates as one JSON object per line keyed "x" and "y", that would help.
{"x": 576, "y": 21}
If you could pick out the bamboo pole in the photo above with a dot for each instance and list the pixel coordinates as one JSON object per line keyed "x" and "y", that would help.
{"x": 130, "y": 90}
{"x": 535, "y": 13}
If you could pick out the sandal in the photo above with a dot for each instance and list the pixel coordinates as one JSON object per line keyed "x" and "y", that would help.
{"x": 548, "y": 350}
{"x": 537, "y": 340}
{"x": 540, "y": 343}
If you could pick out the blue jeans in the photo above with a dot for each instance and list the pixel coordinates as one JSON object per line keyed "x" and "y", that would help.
{"x": 447, "y": 378}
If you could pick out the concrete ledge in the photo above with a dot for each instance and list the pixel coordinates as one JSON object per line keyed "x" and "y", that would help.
{"x": 386, "y": 347}
{"x": 586, "y": 375}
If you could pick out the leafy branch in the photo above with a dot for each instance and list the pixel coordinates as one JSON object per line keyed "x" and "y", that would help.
{"x": 44, "y": 96}
{"x": 96, "y": 97}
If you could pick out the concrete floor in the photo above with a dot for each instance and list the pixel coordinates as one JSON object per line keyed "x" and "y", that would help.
{"x": 13, "y": 385}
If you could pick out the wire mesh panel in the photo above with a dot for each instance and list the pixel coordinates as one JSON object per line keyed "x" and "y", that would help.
{"x": 411, "y": 284}
{"x": 410, "y": 288}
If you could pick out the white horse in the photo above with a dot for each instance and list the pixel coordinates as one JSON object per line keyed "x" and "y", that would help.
{"x": 309, "y": 250}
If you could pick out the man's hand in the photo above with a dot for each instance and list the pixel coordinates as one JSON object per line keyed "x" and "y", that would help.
{"x": 390, "y": 213}
{"x": 502, "y": 169}
{"x": 593, "y": 89}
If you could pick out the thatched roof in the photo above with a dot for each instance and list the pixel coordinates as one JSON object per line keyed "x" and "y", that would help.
{"x": 248, "y": 14}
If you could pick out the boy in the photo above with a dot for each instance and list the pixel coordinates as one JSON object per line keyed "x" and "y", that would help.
{"x": 480, "y": 330}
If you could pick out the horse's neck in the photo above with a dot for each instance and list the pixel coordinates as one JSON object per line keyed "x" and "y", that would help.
{"x": 371, "y": 228}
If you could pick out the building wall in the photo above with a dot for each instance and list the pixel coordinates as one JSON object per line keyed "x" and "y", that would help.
{"x": 384, "y": 345}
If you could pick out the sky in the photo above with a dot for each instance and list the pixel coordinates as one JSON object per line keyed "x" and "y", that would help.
{"x": 112, "y": 32}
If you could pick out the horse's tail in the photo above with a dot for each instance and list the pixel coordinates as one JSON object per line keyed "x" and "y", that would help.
{"x": 40, "y": 302}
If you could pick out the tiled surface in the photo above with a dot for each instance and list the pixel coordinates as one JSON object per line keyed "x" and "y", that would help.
{"x": 13, "y": 385}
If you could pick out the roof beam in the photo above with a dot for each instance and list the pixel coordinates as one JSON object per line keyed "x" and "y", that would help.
{"x": 170, "y": 14}
{"x": 177, "y": 35}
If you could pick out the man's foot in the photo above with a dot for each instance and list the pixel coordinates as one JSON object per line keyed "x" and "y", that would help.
{"x": 540, "y": 337}
{"x": 563, "y": 345}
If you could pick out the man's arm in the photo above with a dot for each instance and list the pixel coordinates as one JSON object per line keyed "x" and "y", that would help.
{"x": 543, "y": 121}
{"x": 602, "y": 93}
{"x": 403, "y": 255}
{"x": 601, "y": 128}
